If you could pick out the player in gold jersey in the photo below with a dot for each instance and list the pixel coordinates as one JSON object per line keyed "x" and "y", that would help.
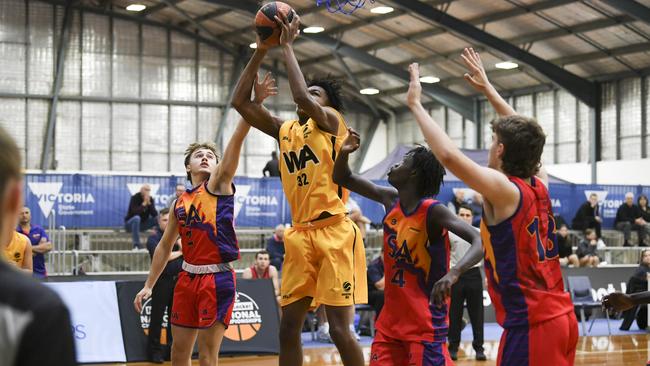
{"x": 19, "y": 252}
{"x": 325, "y": 259}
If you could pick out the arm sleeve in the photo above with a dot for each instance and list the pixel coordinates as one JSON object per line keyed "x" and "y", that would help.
{"x": 44, "y": 234}
{"x": 54, "y": 322}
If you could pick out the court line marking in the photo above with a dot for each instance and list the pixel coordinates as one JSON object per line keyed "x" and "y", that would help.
{"x": 612, "y": 352}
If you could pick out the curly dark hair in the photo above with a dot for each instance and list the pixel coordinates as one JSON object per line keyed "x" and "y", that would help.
{"x": 333, "y": 88}
{"x": 523, "y": 141}
{"x": 429, "y": 169}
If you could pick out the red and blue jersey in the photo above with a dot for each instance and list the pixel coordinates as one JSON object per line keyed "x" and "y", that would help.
{"x": 206, "y": 226}
{"x": 413, "y": 262}
{"x": 522, "y": 261}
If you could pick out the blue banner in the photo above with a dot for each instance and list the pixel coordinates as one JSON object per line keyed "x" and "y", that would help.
{"x": 94, "y": 201}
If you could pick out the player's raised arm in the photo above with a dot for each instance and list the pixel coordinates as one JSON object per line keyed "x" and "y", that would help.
{"x": 441, "y": 216}
{"x": 254, "y": 113}
{"x": 221, "y": 180}
{"x": 343, "y": 176}
{"x": 159, "y": 260}
{"x": 326, "y": 119}
{"x": 477, "y": 78}
{"x": 492, "y": 184}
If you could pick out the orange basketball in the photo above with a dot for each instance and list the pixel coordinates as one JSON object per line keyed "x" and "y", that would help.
{"x": 242, "y": 332}
{"x": 266, "y": 26}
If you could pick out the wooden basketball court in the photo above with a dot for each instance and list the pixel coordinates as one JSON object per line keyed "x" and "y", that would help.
{"x": 610, "y": 351}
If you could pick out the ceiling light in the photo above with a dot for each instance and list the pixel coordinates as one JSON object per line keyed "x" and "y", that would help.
{"x": 315, "y": 29}
{"x": 429, "y": 79}
{"x": 253, "y": 45}
{"x": 381, "y": 10}
{"x": 369, "y": 91}
{"x": 506, "y": 65}
{"x": 136, "y": 7}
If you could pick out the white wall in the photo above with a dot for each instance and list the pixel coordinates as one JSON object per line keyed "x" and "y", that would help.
{"x": 628, "y": 172}
{"x": 378, "y": 149}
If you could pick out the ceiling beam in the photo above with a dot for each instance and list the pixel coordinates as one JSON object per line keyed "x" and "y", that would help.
{"x": 631, "y": 8}
{"x": 596, "y": 55}
{"x": 189, "y": 18}
{"x": 574, "y": 29}
{"x": 207, "y": 16}
{"x": 355, "y": 82}
{"x": 479, "y": 20}
{"x": 583, "y": 89}
{"x": 457, "y": 102}
{"x": 567, "y": 60}
{"x": 158, "y": 7}
{"x": 534, "y": 37}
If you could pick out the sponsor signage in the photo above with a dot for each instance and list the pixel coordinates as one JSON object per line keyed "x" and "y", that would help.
{"x": 95, "y": 319}
{"x": 87, "y": 201}
{"x": 253, "y": 328}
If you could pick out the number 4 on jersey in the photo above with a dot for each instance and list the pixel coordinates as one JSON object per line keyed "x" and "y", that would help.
{"x": 398, "y": 278}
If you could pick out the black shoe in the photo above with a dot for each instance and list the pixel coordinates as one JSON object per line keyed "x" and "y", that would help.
{"x": 157, "y": 357}
{"x": 480, "y": 356}
{"x": 453, "y": 354}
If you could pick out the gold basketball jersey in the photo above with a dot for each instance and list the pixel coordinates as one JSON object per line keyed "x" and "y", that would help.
{"x": 15, "y": 251}
{"x": 306, "y": 166}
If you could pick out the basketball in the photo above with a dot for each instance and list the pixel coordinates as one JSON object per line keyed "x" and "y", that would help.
{"x": 266, "y": 26}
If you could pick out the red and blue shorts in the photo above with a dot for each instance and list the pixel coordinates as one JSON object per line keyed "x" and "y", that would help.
{"x": 387, "y": 351}
{"x": 200, "y": 300}
{"x": 551, "y": 342}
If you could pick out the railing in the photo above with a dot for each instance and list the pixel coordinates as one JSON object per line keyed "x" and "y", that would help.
{"x": 109, "y": 251}
{"x": 79, "y": 252}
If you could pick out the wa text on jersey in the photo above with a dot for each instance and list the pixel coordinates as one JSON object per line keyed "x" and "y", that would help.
{"x": 298, "y": 161}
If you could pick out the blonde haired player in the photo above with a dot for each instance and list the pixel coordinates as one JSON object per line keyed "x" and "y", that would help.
{"x": 204, "y": 218}
{"x": 325, "y": 261}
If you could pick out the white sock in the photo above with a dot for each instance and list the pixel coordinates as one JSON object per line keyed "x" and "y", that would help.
{"x": 325, "y": 327}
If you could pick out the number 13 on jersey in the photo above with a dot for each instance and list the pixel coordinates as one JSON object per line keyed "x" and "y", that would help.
{"x": 550, "y": 250}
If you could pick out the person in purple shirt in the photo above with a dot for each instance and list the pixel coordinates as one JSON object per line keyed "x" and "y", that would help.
{"x": 38, "y": 237}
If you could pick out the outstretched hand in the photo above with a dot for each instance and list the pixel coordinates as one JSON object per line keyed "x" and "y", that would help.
{"x": 618, "y": 301}
{"x": 264, "y": 88}
{"x": 290, "y": 30}
{"x": 476, "y": 75}
{"x": 414, "y": 94}
{"x": 352, "y": 142}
